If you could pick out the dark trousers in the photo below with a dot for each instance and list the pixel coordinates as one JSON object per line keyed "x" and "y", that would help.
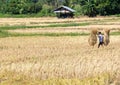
{"x": 100, "y": 43}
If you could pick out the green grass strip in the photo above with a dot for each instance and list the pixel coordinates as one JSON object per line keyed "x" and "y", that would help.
{"x": 48, "y": 34}
{"x": 115, "y": 33}
{"x": 18, "y": 15}
{"x": 4, "y": 33}
{"x": 48, "y": 26}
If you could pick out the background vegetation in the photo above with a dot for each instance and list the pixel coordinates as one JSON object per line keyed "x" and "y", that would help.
{"x": 45, "y": 7}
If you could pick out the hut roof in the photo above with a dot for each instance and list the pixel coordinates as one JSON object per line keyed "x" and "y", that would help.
{"x": 63, "y": 9}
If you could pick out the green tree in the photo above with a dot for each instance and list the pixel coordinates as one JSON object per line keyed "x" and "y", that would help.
{"x": 88, "y": 7}
{"x": 44, "y": 7}
{"x": 46, "y": 10}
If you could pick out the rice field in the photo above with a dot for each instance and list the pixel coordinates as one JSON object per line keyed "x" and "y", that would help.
{"x": 63, "y": 60}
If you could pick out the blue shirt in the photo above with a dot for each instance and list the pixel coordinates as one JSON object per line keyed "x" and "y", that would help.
{"x": 100, "y": 36}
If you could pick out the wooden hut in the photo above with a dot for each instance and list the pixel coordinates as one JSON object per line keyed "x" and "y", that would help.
{"x": 64, "y": 12}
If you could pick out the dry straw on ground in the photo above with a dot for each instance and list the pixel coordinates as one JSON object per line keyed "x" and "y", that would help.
{"x": 106, "y": 36}
{"x": 58, "y": 57}
{"x": 93, "y": 38}
{"x": 42, "y": 58}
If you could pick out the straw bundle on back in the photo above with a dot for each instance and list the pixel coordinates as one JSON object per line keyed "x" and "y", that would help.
{"x": 93, "y": 38}
{"x": 106, "y": 36}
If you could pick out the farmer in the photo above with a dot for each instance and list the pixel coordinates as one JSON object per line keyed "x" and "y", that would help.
{"x": 100, "y": 36}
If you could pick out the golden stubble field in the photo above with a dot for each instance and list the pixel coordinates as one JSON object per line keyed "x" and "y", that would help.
{"x": 58, "y": 57}
{"x": 65, "y": 57}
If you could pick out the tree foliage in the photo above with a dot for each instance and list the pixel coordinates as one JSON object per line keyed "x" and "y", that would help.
{"x": 45, "y": 7}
